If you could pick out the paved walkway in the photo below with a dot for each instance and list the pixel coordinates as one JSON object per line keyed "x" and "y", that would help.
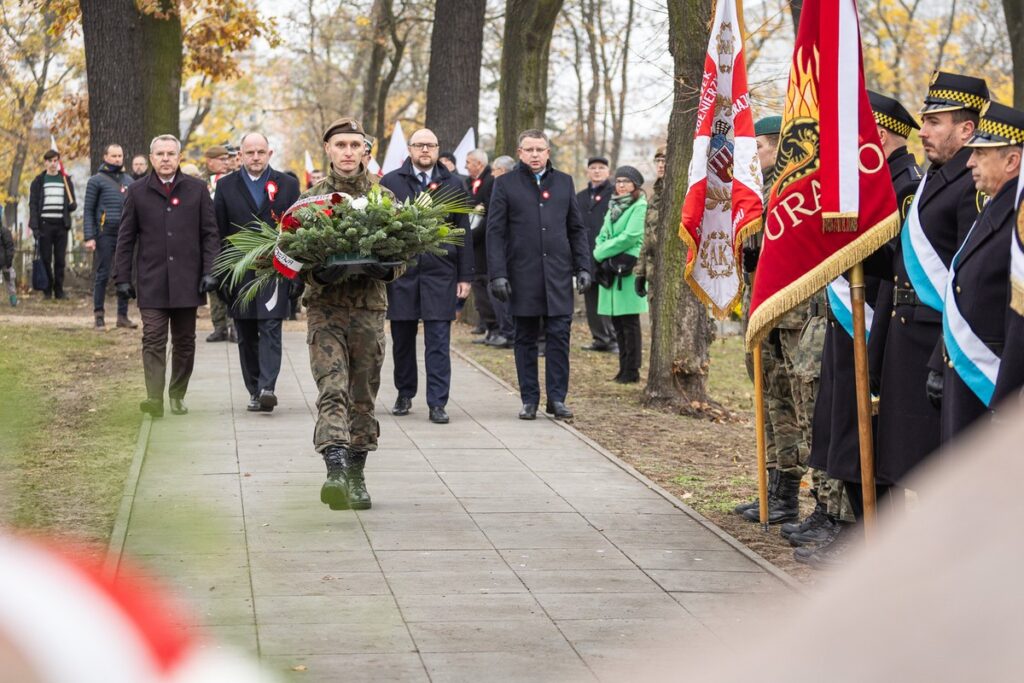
{"x": 496, "y": 549}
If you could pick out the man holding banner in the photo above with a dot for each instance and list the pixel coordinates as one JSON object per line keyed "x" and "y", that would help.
{"x": 943, "y": 210}
{"x": 974, "y": 312}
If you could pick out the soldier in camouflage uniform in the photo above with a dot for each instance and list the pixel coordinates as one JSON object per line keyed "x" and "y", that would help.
{"x": 345, "y": 319}
{"x": 786, "y": 445}
{"x": 645, "y": 263}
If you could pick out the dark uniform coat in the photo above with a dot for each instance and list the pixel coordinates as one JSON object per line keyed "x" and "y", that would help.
{"x": 981, "y": 287}
{"x": 835, "y": 442}
{"x": 480, "y": 189}
{"x": 427, "y": 291}
{"x": 536, "y": 238}
{"x": 908, "y": 424}
{"x": 593, "y": 206}
{"x": 235, "y": 209}
{"x": 1011, "y": 368}
{"x": 176, "y": 234}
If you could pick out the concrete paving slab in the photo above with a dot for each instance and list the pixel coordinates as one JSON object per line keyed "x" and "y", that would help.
{"x": 496, "y": 549}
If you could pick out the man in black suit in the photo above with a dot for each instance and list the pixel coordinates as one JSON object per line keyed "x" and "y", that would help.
{"x": 429, "y": 290}
{"x": 593, "y": 201}
{"x": 536, "y": 242}
{"x": 256, "y": 193}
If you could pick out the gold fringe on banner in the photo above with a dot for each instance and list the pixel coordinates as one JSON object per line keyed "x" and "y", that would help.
{"x": 772, "y": 309}
{"x": 698, "y": 292}
{"x": 838, "y": 222}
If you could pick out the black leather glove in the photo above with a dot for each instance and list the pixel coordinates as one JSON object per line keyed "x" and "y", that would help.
{"x": 377, "y": 271}
{"x": 501, "y": 289}
{"x": 208, "y": 284}
{"x": 874, "y": 384}
{"x": 583, "y": 281}
{"x": 933, "y": 387}
{"x": 326, "y": 275}
{"x": 126, "y": 289}
{"x": 640, "y": 285}
{"x": 750, "y": 258}
{"x": 296, "y": 287}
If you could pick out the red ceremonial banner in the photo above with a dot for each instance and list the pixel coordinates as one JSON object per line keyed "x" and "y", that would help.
{"x": 833, "y": 202}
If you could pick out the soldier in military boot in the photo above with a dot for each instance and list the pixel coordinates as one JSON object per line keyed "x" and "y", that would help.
{"x": 645, "y": 263}
{"x": 345, "y": 313}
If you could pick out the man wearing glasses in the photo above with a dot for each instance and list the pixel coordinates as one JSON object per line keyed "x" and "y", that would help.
{"x": 536, "y": 241}
{"x": 429, "y": 290}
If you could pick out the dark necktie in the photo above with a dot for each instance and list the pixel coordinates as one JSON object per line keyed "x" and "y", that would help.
{"x": 423, "y": 179}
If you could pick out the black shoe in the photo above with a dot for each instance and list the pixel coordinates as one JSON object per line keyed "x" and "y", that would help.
{"x": 126, "y": 322}
{"x": 267, "y": 400}
{"x": 178, "y": 407}
{"x": 529, "y": 412}
{"x": 597, "y": 346}
{"x": 831, "y": 555}
{"x": 334, "y": 492}
{"x": 499, "y": 342}
{"x": 628, "y": 377}
{"x": 99, "y": 323}
{"x": 818, "y": 535}
{"x": 812, "y": 520}
{"x": 217, "y": 336}
{"x": 402, "y": 406}
{"x": 482, "y": 340}
{"x": 783, "y": 504}
{"x": 559, "y": 410}
{"x": 479, "y": 329}
{"x": 438, "y": 416}
{"x": 755, "y": 505}
{"x": 232, "y": 337}
{"x": 358, "y": 496}
{"x": 47, "y": 295}
{"x": 62, "y": 296}
{"x": 153, "y": 407}
{"x": 254, "y": 404}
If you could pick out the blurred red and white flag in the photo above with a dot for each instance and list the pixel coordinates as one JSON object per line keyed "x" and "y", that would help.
{"x": 309, "y": 170}
{"x": 723, "y": 202}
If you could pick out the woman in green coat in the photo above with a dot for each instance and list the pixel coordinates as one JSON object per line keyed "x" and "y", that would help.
{"x": 623, "y": 234}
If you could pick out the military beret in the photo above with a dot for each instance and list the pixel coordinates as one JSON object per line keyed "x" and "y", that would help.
{"x": 232, "y": 149}
{"x": 769, "y": 125}
{"x": 631, "y": 174}
{"x": 597, "y": 160}
{"x": 346, "y": 124}
{"x": 215, "y": 151}
{"x": 660, "y": 152}
{"x": 950, "y": 92}
{"x": 891, "y": 115}
{"x": 1000, "y": 126}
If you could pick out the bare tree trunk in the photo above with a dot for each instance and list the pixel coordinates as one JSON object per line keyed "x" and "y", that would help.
{"x": 1014, "y": 12}
{"x": 590, "y": 10}
{"x": 456, "y": 58}
{"x": 113, "y": 71}
{"x": 385, "y": 85}
{"x": 161, "y": 59}
{"x": 523, "y": 89}
{"x": 619, "y": 107}
{"x": 383, "y": 18}
{"x": 681, "y": 331}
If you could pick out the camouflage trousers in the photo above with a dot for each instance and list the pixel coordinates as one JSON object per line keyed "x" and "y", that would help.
{"x": 346, "y": 352}
{"x": 219, "y": 313}
{"x": 832, "y": 493}
{"x": 788, "y": 410}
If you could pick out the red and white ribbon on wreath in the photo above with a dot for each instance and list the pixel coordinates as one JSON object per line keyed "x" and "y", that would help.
{"x": 283, "y": 263}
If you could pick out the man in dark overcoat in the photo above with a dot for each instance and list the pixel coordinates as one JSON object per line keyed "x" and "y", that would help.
{"x": 593, "y": 201}
{"x": 480, "y": 185}
{"x": 429, "y": 290}
{"x": 256, "y": 193}
{"x": 536, "y": 242}
{"x": 974, "y": 316}
{"x": 943, "y": 210}
{"x": 835, "y": 443}
{"x": 169, "y": 217}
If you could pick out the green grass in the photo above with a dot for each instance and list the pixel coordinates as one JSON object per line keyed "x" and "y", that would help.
{"x": 68, "y": 423}
{"x": 728, "y": 381}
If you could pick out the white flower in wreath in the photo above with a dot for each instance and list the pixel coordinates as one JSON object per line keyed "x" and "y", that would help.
{"x": 359, "y": 203}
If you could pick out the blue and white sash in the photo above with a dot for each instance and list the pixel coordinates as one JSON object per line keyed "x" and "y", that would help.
{"x": 928, "y": 274}
{"x": 841, "y": 303}
{"x": 973, "y": 361}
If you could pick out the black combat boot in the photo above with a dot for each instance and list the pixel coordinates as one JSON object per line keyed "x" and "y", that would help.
{"x": 812, "y": 520}
{"x": 755, "y": 505}
{"x": 358, "y": 496}
{"x": 783, "y": 505}
{"x": 818, "y": 535}
{"x": 334, "y": 492}
{"x": 833, "y": 554}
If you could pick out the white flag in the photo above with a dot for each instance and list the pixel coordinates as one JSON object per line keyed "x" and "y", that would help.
{"x": 467, "y": 145}
{"x": 398, "y": 150}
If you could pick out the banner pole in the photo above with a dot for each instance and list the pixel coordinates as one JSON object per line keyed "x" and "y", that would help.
{"x": 762, "y": 471}
{"x": 860, "y": 360}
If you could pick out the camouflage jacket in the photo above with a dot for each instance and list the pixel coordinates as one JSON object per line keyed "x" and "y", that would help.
{"x": 357, "y": 291}
{"x": 645, "y": 263}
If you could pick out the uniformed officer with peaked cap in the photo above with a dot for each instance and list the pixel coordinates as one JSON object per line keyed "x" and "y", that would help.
{"x": 974, "y": 316}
